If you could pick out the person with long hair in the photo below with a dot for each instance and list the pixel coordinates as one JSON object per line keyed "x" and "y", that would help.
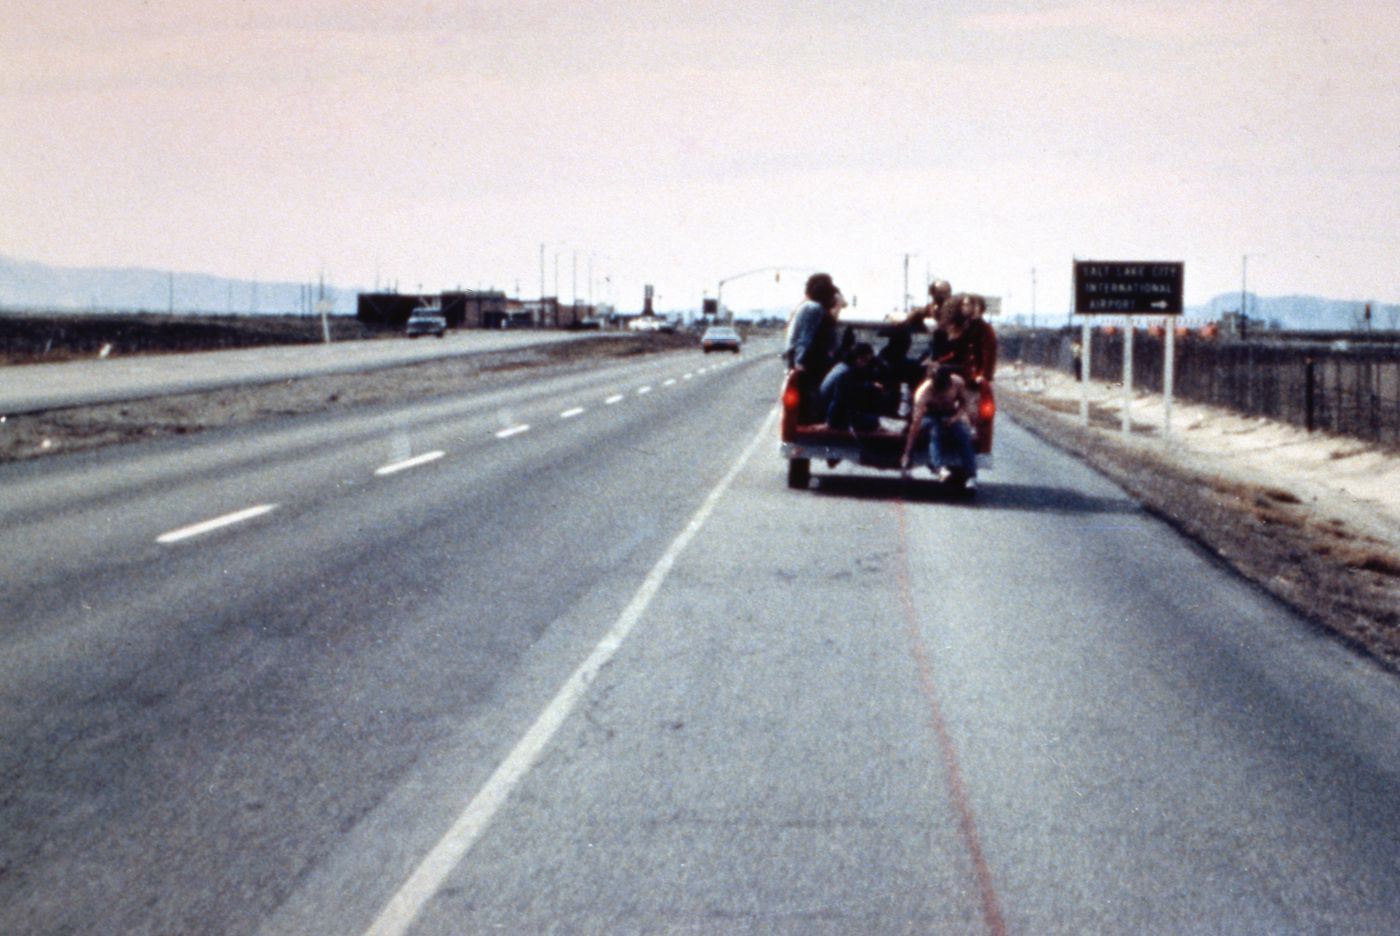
{"x": 812, "y": 341}
{"x": 964, "y": 340}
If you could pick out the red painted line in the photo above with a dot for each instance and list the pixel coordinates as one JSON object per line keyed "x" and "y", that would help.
{"x": 957, "y": 791}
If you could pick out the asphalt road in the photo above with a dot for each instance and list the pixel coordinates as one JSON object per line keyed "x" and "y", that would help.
{"x": 566, "y": 655}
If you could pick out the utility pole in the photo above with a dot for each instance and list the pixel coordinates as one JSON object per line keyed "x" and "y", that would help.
{"x": 906, "y": 283}
{"x": 1244, "y": 275}
{"x": 323, "y": 307}
{"x": 1032, "y": 297}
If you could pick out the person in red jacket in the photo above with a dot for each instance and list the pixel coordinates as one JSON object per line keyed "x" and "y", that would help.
{"x": 965, "y": 340}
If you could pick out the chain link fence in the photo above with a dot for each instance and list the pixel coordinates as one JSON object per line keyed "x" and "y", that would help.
{"x": 1342, "y": 387}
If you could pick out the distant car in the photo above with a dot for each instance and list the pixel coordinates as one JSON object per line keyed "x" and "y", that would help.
{"x": 720, "y": 338}
{"x": 652, "y": 323}
{"x": 426, "y": 322}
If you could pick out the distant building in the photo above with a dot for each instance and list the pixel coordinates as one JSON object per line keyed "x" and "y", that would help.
{"x": 391, "y": 310}
{"x": 474, "y": 309}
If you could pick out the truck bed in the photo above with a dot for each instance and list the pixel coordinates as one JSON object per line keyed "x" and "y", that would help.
{"x": 881, "y": 449}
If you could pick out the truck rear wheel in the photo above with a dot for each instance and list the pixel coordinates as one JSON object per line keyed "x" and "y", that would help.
{"x": 799, "y": 472}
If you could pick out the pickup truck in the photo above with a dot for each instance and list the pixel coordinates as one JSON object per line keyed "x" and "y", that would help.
{"x": 881, "y": 449}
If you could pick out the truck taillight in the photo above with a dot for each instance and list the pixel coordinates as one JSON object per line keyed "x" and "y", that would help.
{"x": 987, "y": 408}
{"x": 791, "y": 398}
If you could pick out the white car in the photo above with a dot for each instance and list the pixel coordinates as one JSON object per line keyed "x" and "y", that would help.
{"x": 426, "y": 322}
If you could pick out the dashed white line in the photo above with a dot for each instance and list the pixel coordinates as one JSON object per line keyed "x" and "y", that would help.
{"x": 571, "y": 413}
{"x": 403, "y": 908}
{"x": 670, "y": 383}
{"x": 407, "y": 463}
{"x": 642, "y": 390}
{"x": 688, "y": 377}
{"x": 613, "y": 399}
{"x": 512, "y": 431}
{"x": 184, "y": 533}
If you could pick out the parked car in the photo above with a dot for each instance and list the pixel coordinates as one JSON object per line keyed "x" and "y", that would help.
{"x": 652, "y": 323}
{"x": 426, "y": 322}
{"x": 720, "y": 338}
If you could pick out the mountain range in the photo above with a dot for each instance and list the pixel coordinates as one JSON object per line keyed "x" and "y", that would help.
{"x": 26, "y": 285}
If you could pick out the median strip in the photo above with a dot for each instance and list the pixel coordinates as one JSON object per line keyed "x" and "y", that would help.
{"x": 413, "y": 462}
{"x": 184, "y": 533}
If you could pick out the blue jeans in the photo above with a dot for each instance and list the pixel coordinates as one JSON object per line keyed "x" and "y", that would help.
{"x": 950, "y": 445}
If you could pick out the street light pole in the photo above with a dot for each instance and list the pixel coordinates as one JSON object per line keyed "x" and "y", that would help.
{"x": 1244, "y": 276}
{"x": 906, "y": 283}
{"x": 719, "y": 292}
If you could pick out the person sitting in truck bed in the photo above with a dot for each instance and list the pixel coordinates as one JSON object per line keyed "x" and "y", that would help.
{"x": 812, "y": 340}
{"x": 965, "y": 340}
{"x": 941, "y": 417}
{"x": 851, "y": 396}
{"x": 923, "y": 319}
{"x": 894, "y": 369}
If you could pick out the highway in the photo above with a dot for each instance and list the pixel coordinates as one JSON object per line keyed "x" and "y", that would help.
{"x": 566, "y": 655}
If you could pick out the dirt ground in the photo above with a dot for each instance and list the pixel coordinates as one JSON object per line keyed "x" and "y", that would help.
{"x": 1314, "y": 520}
{"x": 88, "y": 427}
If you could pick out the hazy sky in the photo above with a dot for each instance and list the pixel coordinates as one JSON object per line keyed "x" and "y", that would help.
{"x": 442, "y": 143}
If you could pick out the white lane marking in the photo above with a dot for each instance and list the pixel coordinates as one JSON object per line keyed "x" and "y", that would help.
{"x": 670, "y": 383}
{"x": 613, "y": 399}
{"x": 407, "y": 463}
{"x": 571, "y": 413}
{"x": 174, "y": 536}
{"x": 513, "y": 430}
{"x": 641, "y": 390}
{"x": 403, "y": 908}
{"x": 688, "y": 377}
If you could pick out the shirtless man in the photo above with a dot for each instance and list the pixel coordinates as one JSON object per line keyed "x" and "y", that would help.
{"x": 941, "y": 410}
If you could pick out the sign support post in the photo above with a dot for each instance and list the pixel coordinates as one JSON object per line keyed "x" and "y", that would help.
{"x": 1086, "y": 356}
{"x": 1128, "y": 375}
{"x": 324, "y": 306}
{"x": 1168, "y": 380}
{"x": 1133, "y": 288}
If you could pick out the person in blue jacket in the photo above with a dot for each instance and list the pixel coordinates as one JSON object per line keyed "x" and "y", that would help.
{"x": 812, "y": 341}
